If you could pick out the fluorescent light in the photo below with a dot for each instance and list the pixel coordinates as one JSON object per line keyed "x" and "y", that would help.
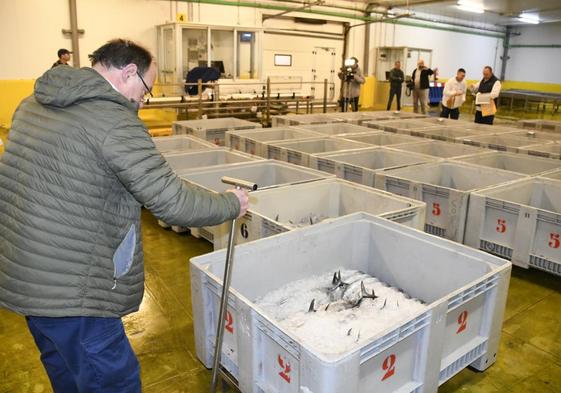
{"x": 529, "y": 18}
{"x": 469, "y": 6}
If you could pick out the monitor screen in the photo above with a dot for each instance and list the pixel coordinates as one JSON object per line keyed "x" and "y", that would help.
{"x": 246, "y": 37}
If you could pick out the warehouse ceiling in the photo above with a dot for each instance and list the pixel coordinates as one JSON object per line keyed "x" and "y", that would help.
{"x": 496, "y": 12}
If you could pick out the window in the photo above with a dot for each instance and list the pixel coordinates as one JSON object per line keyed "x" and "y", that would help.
{"x": 195, "y": 48}
{"x": 222, "y": 52}
{"x": 283, "y": 60}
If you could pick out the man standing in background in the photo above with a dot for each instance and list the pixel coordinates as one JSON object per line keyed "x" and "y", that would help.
{"x": 396, "y": 80}
{"x": 421, "y": 90}
{"x": 490, "y": 84}
{"x": 454, "y": 95}
{"x": 63, "y": 57}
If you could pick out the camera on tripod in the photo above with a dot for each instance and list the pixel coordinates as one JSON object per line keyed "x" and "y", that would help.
{"x": 349, "y": 68}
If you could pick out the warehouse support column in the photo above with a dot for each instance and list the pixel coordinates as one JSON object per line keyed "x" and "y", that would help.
{"x": 505, "y": 57}
{"x": 74, "y": 33}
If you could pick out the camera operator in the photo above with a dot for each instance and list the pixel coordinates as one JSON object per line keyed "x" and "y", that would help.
{"x": 352, "y": 78}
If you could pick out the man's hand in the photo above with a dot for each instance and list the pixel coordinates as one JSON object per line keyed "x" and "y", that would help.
{"x": 243, "y": 198}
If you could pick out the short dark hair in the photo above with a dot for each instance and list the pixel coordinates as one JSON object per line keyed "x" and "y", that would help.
{"x": 489, "y": 68}
{"x": 461, "y": 70}
{"x": 119, "y": 53}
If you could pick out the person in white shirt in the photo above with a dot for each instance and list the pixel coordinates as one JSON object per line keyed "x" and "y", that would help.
{"x": 454, "y": 95}
{"x": 489, "y": 84}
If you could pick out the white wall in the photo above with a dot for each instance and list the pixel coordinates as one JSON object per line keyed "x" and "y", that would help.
{"x": 539, "y": 65}
{"x": 450, "y": 50}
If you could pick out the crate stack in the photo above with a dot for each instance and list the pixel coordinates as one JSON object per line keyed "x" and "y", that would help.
{"x": 359, "y": 189}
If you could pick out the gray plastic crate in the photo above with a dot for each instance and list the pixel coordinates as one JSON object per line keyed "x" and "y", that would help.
{"x": 377, "y": 138}
{"x": 336, "y": 129}
{"x": 445, "y": 187}
{"x": 398, "y": 126}
{"x": 266, "y": 173}
{"x": 513, "y": 162}
{"x": 295, "y": 120}
{"x": 361, "y": 166}
{"x": 448, "y": 134}
{"x": 465, "y": 292}
{"x": 541, "y": 124}
{"x": 181, "y": 143}
{"x": 198, "y": 159}
{"x": 212, "y": 130}
{"x": 501, "y": 142}
{"x": 538, "y": 136}
{"x": 520, "y": 221}
{"x": 362, "y": 116}
{"x": 442, "y": 149}
{"x": 299, "y": 152}
{"x": 254, "y": 141}
{"x": 555, "y": 175}
{"x": 274, "y": 211}
{"x": 547, "y": 150}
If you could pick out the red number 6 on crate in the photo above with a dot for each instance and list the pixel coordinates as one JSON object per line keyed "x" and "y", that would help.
{"x": 389, "y": 366}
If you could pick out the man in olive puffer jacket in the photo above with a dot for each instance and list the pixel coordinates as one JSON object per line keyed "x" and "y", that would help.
{"x": 77, "y": 169}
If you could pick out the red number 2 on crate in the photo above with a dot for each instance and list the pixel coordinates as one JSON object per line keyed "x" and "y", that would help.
{"x": 436, "y": 209}
{"x": 554, "y": 241}
{"x": 501, "y": 225}
{"x": 462, "y": 322}
{"x": 229, "y": 322}
{"x": 389, "y": 366}
{"x": 286, "y": 369}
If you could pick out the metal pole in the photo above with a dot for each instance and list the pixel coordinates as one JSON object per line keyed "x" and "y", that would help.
{"x": 200, "y": 91}
{"x": 239, "y": 184}
{"x": 74, "y": 33}
{"x": 268, "y": 118}
{"x": 325, "y": 96}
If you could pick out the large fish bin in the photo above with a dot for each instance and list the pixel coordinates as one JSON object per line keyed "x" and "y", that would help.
{"x": 296, "y": 120}
{"x": 254, "y": 141}
{"x": 299, "y": 151}
{"x": 180, "y": 143}
{"x": 399, "y": 126}
{"x": 360, "y": 117}
{"x": 333, "y": 129}
{"x": 513, "y": 162}
{"x": 441, "y": 149}
{"x": 212, "y": 130}
{"x": 447, "y": 134}
{"x": 501, "y": 142}
{"x": 445, "y": 187}
{"x": 540, "y": 124}
{"x": 273, "y": 211}
{"x": 520, "y": 221}
{"x": 361, "y": 166}
{"x": 433, "y": 307}
{"x": 180, "y": 162}
{"x": 382, "y": 138}
{"x": 266, "y": 174}
{"x": 547, "y": 150}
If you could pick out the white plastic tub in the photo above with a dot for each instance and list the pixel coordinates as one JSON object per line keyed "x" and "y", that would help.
{"x": 445, "y": 187}
{"x": 513, "y": 162}
{"x": 362, "y": 116}
{"x": 464, "y": 290}
{"x": 299, "y": 152}
{"x": 382, "y": 138}
{"x": 254, "y": 142}
{"x": 295, "y": 120}
{"x": 336, "y": 129}
{"x": 398, "y": 126}
{"x": 502, "y": 142}
{"x": 273, "y": 211}
{"x": 361, "y": 166}
{"x": 540, "y": 124}
{"x": 547, "y": 150}
{"x": 212, "y": 130}
{"x": 520, "y": 221}
{"x": 442, "y": 149}
{"x": 180, "y": 143}
{"x": 537, "y": 136}
{"x": 266, "y": 173}
{"x": 187, "y": 161}
{"x": 447, "y": 134}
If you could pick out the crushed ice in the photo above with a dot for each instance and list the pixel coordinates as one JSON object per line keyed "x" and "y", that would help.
{"x": 337, "y": 312}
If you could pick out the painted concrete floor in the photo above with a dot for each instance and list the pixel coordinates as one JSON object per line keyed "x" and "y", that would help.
{"x": 161, "y": 333}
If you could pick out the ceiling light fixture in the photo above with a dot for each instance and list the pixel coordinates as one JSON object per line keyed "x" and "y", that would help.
{"x": 529, "y": 18}
{"x": 469, "y": 6}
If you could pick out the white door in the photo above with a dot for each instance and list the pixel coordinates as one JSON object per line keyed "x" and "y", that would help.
{"x": 323, "y": 67}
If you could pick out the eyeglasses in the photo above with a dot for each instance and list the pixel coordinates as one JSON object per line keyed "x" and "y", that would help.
{"x": 148, "y": 90}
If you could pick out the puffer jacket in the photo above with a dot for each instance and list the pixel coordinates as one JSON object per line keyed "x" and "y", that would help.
{"x": 78, "y": 166}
